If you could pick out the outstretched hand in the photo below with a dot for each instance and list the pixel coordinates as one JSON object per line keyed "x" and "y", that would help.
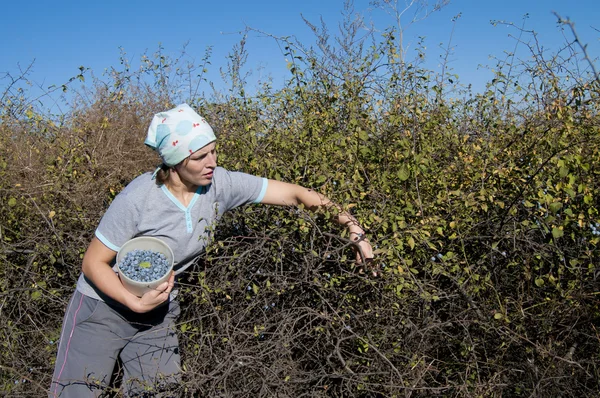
{"x": 364, "y": 253}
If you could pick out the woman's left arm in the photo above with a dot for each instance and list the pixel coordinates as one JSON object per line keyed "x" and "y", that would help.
{"x": 284, "y": 194}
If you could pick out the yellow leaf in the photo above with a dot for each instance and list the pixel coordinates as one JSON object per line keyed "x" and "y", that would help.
{"x": 411, "y": 242}
{"x": 51, "y": 214}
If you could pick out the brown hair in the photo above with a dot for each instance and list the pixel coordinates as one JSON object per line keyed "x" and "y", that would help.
{"x": 163, "y": 174}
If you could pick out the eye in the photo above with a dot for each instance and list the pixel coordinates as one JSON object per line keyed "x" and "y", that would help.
{"x": 204, "y": 155}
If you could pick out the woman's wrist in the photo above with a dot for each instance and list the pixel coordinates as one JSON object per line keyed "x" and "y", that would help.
{"x": 354, "y": 229}
{"x": 131, "y": 301}
{"x": 357, "y": 234}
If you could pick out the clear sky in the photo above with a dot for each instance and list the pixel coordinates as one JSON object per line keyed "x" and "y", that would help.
{"x": 62, "y": 35}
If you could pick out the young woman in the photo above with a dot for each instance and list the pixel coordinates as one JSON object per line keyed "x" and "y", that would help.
{"x": 104, "y": 321}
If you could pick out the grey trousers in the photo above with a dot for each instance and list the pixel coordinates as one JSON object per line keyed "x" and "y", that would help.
{"x": 94, "y": 335}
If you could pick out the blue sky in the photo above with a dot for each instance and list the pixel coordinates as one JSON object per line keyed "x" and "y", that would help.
{"x": 63, "y": 35}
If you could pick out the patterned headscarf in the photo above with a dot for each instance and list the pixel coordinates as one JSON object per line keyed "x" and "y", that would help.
{"x": 177, "y": 133}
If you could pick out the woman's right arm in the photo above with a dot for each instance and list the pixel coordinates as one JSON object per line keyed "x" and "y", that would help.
{"x": 96, "y": 267}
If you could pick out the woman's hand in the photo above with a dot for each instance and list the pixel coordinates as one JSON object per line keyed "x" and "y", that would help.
{"x": 154, "y": 298}
{"x": 364, "y": 251}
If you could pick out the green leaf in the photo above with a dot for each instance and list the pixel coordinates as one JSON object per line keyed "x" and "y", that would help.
{"x": 363, "y": 135}
{"x": 12, "y": 202}
{"x": 557, "y": 233}
{"x": 404, "y": 173}
{"x": 556, "y": 206}
{"x": 411, "y": 242}
{"x": 539, "y": 282}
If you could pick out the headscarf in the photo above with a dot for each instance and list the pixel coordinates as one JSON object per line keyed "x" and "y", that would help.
{"x": 177, "y": 133}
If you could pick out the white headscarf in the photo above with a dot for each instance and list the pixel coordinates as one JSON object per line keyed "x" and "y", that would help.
{"x": 177, "y": 133}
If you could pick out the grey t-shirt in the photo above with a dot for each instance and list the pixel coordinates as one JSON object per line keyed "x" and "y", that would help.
{"x": 145, "y": 209}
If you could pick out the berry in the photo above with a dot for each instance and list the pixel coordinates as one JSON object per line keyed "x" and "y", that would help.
{"x": 144, "y": 265}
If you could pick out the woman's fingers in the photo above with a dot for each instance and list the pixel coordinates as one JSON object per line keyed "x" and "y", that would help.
{"x": 167, "y": 286}
{"x": 364, "y": 257}
{"x": 365, "y": 250}
{"x": 155, "y": 297}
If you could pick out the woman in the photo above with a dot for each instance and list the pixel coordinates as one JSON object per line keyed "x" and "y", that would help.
{"x": 104, "y": 321}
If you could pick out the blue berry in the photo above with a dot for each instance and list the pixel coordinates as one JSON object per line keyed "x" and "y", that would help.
{"x": 144, "y": 265}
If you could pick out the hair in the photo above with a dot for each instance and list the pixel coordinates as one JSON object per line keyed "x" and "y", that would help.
{"x": 163, "y": 174}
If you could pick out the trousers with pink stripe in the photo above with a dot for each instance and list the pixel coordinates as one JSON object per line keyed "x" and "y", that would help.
{"x": 99, "y": 341}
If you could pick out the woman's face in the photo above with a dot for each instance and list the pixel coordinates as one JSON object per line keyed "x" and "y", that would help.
{"x": 198, "y": 168}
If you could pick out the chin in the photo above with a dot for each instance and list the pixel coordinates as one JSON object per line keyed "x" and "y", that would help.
{"x": 204, "y": 182}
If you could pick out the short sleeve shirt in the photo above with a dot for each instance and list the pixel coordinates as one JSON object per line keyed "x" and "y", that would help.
{"x": 143, "y": 208}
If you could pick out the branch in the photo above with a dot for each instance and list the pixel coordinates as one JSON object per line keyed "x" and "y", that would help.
{"x": 583, "y": 47}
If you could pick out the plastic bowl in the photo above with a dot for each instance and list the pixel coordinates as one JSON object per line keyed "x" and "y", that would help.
{"x": 144, "y": 243}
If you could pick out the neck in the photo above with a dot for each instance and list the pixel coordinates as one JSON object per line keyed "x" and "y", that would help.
{"x": 182, "y": 190}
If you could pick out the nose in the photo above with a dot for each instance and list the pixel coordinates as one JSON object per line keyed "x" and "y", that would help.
{"x": 211, "y": 160}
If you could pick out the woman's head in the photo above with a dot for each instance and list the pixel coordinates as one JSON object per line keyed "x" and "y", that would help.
{"x": 178, "y": 133}
{"x": 198, "y": 168}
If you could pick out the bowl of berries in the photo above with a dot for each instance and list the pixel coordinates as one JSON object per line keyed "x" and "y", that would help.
{"x": 143, "y": 263}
